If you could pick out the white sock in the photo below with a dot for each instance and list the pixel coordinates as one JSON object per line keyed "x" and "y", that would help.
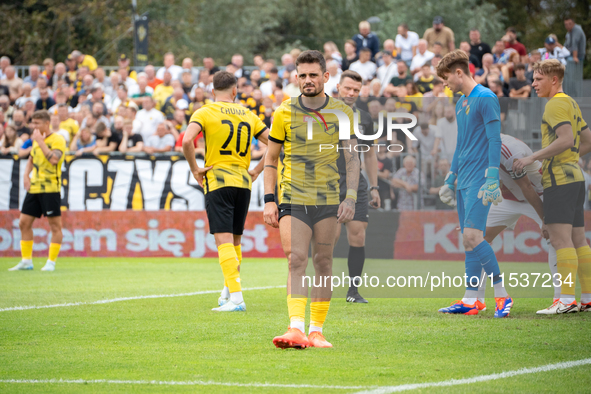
{"x": 482, "y": 285}
{"x": 225, "y": 292}
{"x": 236, "y": 297}
{"x": 314, "y": 328}
{"x": 300, "y": 325}
{"x": 470, "y": 297}
{"x": 29, "y": 261}
{"x": 552, "y": 261}
{"x": 566, "y": 298}
{"x": 50, "y": 262}
{"x": 585, "y": 298}
{"x": 500, "y": 291}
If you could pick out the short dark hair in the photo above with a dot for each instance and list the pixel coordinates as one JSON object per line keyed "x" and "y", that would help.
{"x": 511, "y": 29}
{"x": 223, "y": 80}
{"x": 403, "y": 25}
{"x": 452, "y": 61}
{"x": 351, "y": 74}
{"x": 41, "y": 115}
{"x": 311, "y": 56}
{"x": 364, "y": 49}
{"x": 519, "y": 66}
{"x": 569, "y": 18}
{"x": 351, "y": 42}
{"x": 436, "y": 81}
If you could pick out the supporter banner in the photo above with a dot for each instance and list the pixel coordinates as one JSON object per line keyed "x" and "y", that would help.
{"x": 119, "y": 183}
{"x": 140, "y": 40}
{"x": 138, "y": 234}
{"x": 424, "y": 235}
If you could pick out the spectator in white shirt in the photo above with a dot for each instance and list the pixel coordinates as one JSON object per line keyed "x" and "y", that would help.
{"x": 161, "y": 141}
{"x": 150, "y": 118}
{"x": 334, "y": 76}
{"x": 174, "y": 70}
{"x": 387, "y": 71}
{"x": 364, "y": 66}
{"x": 421, "y": 57}
{"x": 553, "y": 50}
{"x": 406, "y": 43}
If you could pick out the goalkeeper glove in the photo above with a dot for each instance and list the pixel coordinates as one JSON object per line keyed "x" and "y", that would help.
{"x": 491, "y": 190}
{"x": 447, "y": 193}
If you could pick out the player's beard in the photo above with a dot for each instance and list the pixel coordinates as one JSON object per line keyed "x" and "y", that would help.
{"x": 314, "y": 93}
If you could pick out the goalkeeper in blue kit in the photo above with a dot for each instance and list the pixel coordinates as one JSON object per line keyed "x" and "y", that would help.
{"x": 475, "y": 166}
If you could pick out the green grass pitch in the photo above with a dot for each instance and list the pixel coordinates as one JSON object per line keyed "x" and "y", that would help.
{"x": 387, "y": 342}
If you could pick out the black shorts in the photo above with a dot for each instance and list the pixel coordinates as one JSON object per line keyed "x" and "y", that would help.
{"x": 362, "y": 204}
{"x": 309, "y": 214}
{"x": 46, "y": 204}
{"x": 226, "y": 209}
{"x": 564, "y": 204}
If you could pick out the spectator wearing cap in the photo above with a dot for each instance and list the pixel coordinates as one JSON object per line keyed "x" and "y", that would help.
{"x": 477, "y": 47}
{"x": 386, "y": 71}
{"x": 161, "y": 141}
{"x": 85, "y": 60}
{"x": 366, "y": 39}
{"x": 44, "y": 101}
{"x": 124, "y": 62}
{"x": 164, "y": 90}
{"x": 510, "y": 40}
{"x": 149, "y": 117}
{"x": 141, "y": 89}
{"x": 187, "y": 64}
{"x": 553, "y": 50}
{"x": 71, "y": 69}
{"x": 33, "y": 75}
{"x": 173, "y": 69}
{"x": 364, "y": 66}
{"x": 423, "y": 55}
{"x": 351, "y": 55}
{"x": 519, "y": 86}
{"x": 406, "y": 43}
{"x": 576, "y": 41}
{"x": 442, "y": 34}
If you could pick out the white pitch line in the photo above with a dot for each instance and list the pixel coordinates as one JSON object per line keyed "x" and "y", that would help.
{"x": 177, "y": 383}
{"x": 369, "y": 389}
{"x": 22, "y": 308}
{"x": 477, "y": 379}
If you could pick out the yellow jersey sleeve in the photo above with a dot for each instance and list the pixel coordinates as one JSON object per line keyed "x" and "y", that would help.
{"x": 277, "y": 133}
{"x": 559, "y": 112}
{"x": 58, "y": 144}
{"x": 259, "y": 126}
{"x": 199, "y": 117}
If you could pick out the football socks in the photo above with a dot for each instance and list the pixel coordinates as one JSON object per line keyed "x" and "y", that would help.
{"x": 27, "y": 250}
{"x": 584, "y": 272}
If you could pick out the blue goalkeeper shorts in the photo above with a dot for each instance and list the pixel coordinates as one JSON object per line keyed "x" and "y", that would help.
{"x": 471, "y": 211}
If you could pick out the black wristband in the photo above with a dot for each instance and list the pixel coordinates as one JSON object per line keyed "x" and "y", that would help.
{"x": 374, "y": 188}
{"x": 269, "y": 198}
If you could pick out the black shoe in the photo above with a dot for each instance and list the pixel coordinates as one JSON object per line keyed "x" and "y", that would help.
{"x": 356, "y": 297}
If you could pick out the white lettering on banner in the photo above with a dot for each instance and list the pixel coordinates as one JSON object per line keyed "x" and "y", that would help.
{"x": 431, "y": 238}
{"x": 83, "y": 173}
{"x": 5, "y": 183}
{"x": 123, "y": 170}
{"x": 95, "y": 239}
{"x": 5, "y": 239}
{"x": 182, "y": 184}
{"x": 522, "y": 238}
{"x": 39, "y": 246}
{"x": 152, "y": 182}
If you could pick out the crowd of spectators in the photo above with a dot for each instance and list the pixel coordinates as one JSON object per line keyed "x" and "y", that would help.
{"x": 147, "y": 110}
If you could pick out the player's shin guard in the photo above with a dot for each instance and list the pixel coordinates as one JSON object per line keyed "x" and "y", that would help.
{"x": 238, "y": 249}
{"x": 473, "y": 269}
{"x": 296, "y": 307}
{"x": 318, "y": 312}
{"x": 229, "y": 264}
{"x": 54, "y": 251}
{"x": 584, "y": 272}
{"x": 567, "y": 263}
{"x": 27, "y": 250}
{"x": 489, "y": 262}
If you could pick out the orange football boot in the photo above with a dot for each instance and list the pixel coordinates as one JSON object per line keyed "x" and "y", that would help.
{"x": 293, "y": 338}
{"x": 316, "y": 339}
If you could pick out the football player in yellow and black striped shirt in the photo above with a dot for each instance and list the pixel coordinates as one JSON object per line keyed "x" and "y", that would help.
{"x": 227, "y": 128}
{"x": 43, "y": 190}
{"x": 309, "y": 192}
{"x": 565, "y": 136}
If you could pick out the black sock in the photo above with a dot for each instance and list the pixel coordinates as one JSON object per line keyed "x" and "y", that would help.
{"x": 355, "y": 262}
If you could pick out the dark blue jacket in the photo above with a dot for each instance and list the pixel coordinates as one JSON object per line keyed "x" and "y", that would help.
{"x": 371, "y": 41}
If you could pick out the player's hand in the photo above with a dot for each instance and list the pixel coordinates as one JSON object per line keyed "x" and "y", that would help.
{"x": 37, "y": 136}
{"x": 447, "y": 192}
{"x": 271, "y": 214}
{"x": 375, "y": 199}
{"x": 346, "y": 211}
{"x": 27, "y": 182}
{"x": 254, "y": 174}
{"x": 199, "y": 173}
{"x": 491, "y": 190}
{"x": 520, "y": 164}
{"x": 545, "y": 232}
